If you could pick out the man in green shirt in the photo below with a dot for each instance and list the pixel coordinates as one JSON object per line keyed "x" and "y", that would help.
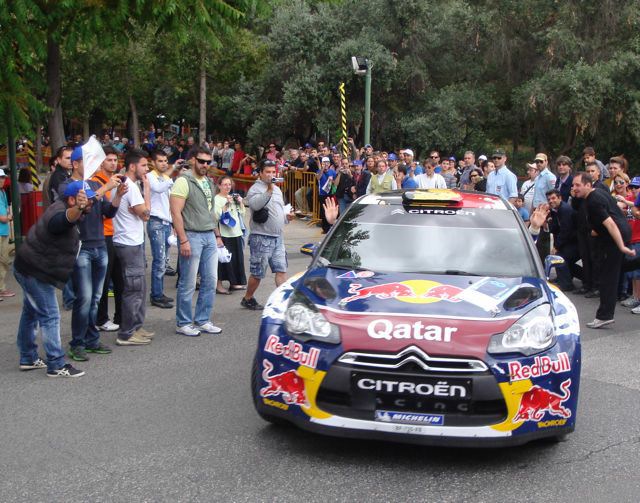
{"x": 196, "y": 227}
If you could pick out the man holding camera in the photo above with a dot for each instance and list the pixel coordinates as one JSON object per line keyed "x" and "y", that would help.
{"x": 194, "y": 220}
{"x": 159, "y": 226}
{"x": 266, "y": 244}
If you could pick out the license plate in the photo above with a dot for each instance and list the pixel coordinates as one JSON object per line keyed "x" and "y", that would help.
{"x": 412, "y": 386}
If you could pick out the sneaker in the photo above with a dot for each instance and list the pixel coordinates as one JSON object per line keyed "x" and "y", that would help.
{"x": 109, "y": 326}
{"x": 38, "y": 364}
{"x": 636, "y": 310}
{"x": 110, "y": 293}
{"x": 161, "y": 304}
{"x": 100, "y": 349}
{"x": 170, "y": 271}
{"x": 630, "y": 302}
{"x": 252, "y": 304}
{"x": 145, "y": 333}
{"x": 188, "y": 330}
{"x": 78, "y": 354}
{"x": 7, "y": 293}
{"x": 600, "y": 323}
{"x": 135, "y": 340}
{"x": 66, "y": 371}
{"x": 209, "y": 328}
{"x": 592, "y": 294}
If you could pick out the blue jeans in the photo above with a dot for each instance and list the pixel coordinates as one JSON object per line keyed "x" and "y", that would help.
{"x": 203, "y": 259}
{"x": 68, "y": 295}
{"x": 88, "y": 279}
{"x": 39, "y": 308}
{"x": 344, "y": 202}
{"x": 158, "y": 232}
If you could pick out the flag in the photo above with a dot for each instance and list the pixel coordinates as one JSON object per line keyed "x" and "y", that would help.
{"x": 92, "y": 156}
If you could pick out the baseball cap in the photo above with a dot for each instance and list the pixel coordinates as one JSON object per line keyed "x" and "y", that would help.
{"x": 116, "y": 138}
{"x": 498, "y": 153}
{"x": 325, "y": 159}
{"x": 482, "y": 158}
{"x": 541, "y": 157}
{"x": 2, "y": 170}
{"x": 308, "y": 145}
{"x": 408, "y": 151}
{"x": 357, "y": 162}
{"x": 392, "y": 157}
{"x": 76, "y": 155}
{"x": 368, "y": 145}
{"x": 635, "y": 182}
{"x": 452, "y": 159}
{"x": 76, "y": 186}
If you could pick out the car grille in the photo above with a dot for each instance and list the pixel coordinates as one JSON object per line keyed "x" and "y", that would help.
{"x": 412, "y": 357}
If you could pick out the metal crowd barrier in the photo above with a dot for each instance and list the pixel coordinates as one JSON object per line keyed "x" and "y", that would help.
{"x": 303, "y": 181}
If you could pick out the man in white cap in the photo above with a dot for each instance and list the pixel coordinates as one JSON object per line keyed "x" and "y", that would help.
{"x": 5, "y": 220}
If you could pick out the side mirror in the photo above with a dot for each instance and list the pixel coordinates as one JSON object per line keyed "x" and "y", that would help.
{"x": 309, "y": 249}
{"x": 552, "y": 262}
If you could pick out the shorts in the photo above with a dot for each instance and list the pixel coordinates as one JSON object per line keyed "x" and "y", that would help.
{"x": 265, "y": 250}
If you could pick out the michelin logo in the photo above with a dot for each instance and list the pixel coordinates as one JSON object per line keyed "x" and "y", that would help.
{"x": 389, "y": 416}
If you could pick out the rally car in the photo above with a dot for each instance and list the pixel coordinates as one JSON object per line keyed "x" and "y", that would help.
{"x": 425, "y": 316}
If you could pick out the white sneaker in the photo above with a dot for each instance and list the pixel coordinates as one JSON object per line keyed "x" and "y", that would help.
{"x": 636, "y": 310}
{"x": 188, "y": 330}
{"x": 630, "y": 302}
{"x": 601, "y": 323}
{"x": 109, "y": 326}
{"x": 209, "y": 328}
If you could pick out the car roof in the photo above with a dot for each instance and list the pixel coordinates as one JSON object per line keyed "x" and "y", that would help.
{"x": 438, "y": 197}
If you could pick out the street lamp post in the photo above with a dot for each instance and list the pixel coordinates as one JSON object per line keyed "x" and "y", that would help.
{"x": 362, "y": 66}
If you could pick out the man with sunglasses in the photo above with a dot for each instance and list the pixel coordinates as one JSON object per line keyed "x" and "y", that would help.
{"x": 502, "y": 180}
{"x": 196, "y": 226}
{"x": 545, "y": 181}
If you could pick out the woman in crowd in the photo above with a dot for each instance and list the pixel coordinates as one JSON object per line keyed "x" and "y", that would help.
{"x": 621, "y": 192}
{"x": 370, "y": 165}
{"x": 24, "y": 181}
{"x": 527, "y": 187}
{"x": 230, "y": 211}
{"x": 478, "y": 180}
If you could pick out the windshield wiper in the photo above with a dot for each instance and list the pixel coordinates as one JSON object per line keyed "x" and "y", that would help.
{"x": 458, "y": 272}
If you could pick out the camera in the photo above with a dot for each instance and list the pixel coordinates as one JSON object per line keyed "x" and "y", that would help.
{"x": 277, "y": 180}
{"x": 123, "y": 178}
{"x": 235, "y": 196}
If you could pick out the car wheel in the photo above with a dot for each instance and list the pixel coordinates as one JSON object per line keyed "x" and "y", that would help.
{"x": 256, "y": 399}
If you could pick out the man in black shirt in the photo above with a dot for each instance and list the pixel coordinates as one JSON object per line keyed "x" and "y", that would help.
{"x": 612, "y": 232}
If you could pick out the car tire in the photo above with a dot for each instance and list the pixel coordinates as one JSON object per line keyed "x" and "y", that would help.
{"x": 256, "y": 399}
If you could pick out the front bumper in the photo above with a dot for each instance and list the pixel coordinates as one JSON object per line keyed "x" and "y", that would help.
{"x": 512, "y": 400}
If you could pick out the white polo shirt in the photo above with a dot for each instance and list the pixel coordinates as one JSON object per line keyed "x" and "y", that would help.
{"x": 128, "y": 229}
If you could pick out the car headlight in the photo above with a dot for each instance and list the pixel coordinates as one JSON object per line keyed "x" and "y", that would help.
{"x": 531, "y": 334}
{"x": 304, "y": 322}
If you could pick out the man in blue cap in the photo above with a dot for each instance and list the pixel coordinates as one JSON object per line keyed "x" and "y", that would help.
{"x": 39, "y": 271}
{"x": 91, "y": 264}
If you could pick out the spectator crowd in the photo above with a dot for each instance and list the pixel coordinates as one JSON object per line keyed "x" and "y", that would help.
{"x": 592, "y": 214}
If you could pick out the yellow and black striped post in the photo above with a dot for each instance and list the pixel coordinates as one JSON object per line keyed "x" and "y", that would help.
{"x": 343, "y": 120}
{"x": 31, "y": 156}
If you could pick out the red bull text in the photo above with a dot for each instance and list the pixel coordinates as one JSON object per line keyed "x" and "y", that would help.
{"x": 542, "y": 365}
{"x": 292, "y": 351}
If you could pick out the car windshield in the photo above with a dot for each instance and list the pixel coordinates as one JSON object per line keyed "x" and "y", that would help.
{"x": 388, "y": 238}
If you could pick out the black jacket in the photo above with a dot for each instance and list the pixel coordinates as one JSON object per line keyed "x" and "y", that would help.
{"x": 563, "y": 226}
{"x": 50, "y": 249}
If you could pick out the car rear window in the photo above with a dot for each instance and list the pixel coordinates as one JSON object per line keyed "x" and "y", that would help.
{"x": 394, "y": 238}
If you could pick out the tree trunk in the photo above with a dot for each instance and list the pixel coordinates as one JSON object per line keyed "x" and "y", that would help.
{"x": 202, "y": 131}
{"x": 85, "y": 128}
{"x": 38, "y": 146}
{"x": 135, "y": 126}
{"x": 54, "y": 93}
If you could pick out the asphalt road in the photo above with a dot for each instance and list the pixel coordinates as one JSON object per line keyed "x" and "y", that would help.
{"x": 174, "y": 421}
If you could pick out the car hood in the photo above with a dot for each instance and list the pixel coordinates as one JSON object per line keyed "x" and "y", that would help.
{"x": 441, "y": 314}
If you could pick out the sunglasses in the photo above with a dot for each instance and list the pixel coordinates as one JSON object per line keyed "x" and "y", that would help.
{"x": 496, "y": 157}
{"x": 203, "y": 161}
{"x": 434, "y": 156}
{"x": 538, "y": 161}
{"x": 619, "y": 182}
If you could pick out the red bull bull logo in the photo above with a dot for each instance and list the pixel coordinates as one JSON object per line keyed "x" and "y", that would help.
{"x": 288, "y": 384}
{"x": 413, "y": 291}
{"x": 538, "y": 401}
